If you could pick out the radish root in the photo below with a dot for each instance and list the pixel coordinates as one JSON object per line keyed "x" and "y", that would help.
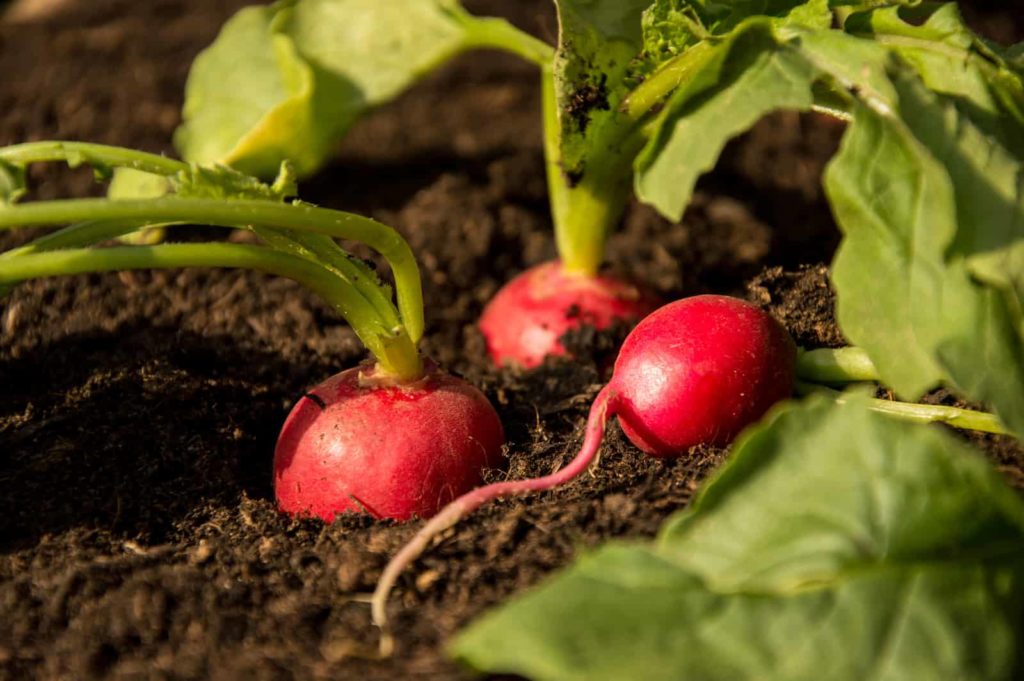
{"x": 450, "y": 515}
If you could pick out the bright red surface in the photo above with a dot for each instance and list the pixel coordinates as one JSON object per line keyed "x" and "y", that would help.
{"x": 524, "y": 321}
{"x": 699, "y": 370}
{"x": 394, "y": 451}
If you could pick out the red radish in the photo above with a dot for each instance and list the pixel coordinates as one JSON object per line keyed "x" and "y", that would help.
{"x": 361, "y": 443}
{"x": 525, "y": 320}
{"x": 697, "y": 370}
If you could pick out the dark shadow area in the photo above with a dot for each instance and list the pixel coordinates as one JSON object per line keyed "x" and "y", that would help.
{"x": 131, "y": 432}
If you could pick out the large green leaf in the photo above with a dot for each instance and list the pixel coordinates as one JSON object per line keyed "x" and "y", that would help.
{"x": 251, "y": 100}
{"x": 285, "y": 82}
{"x": 743, "y": 78}
{"x": 928, "y": 275}
{"x": 834, "y": 545}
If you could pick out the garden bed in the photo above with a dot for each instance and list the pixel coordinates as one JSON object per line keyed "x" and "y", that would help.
{"x": 138, "y": 535}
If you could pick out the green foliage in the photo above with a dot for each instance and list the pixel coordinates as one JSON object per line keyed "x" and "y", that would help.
{"x": 735, "y": 83}
{"x": 12, "y": 183}
{"x": 929, "y": 273}
{"x": 594, "y": 68}
{"x": 285, "y": 82}
{"x": 835, "y": 544}
{"x": 222, "y": 182}
{"x": 252, "y": 100}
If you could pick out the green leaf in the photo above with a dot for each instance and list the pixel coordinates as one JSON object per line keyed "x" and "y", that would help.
{"x": 953, "y": 61}
{"x": 368, "y": 51}
{"x": 222, "y": 182}
{"x": 12, "y": 183}
{"x": 302, "y": 71}
{"x": 747, "y": 76}
{"x": 931, "y": 205}
{"x": 252, "y": 101}
{"x": 835, "y": 544}
{"x": 598, "y": 43}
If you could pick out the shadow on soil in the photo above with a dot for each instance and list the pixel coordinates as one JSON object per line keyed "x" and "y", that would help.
{"x": 136, "y": 430}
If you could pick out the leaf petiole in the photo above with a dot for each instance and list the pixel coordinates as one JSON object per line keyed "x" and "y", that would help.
{"x": 967, "y": 419}
{"x": 97, "y": 155}
{"x": 483, "y": 32}
{"x": 394, "y": 349}
{"x": 835, "y": 365}
{"x": 243, "y": 213}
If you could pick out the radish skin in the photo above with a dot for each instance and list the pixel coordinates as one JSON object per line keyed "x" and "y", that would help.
{"x": 524, "y": 321}
{"x": 359, "y": 442}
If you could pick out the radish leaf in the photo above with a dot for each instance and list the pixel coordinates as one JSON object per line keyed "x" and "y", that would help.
{"x": 285, "y": 82}
{"x": 251, "y": 100}
{"x": 834, "y": 544}
{"x": 739, "y": 80}
{"x": 929, "y": 275}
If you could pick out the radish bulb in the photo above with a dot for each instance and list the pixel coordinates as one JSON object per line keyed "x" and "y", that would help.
{"x": 363, "y": 442}
{"x": 524, "y": 321}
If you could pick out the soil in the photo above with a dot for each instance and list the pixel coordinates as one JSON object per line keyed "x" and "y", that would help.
{"x": 138, "y": 412}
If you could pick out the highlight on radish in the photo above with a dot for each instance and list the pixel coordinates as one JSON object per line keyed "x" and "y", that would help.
{"x": 396, "y": 437}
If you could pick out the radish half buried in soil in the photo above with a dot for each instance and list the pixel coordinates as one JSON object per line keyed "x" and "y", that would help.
{"x": 524, "y": 322}
{"x": 395, "y": 438}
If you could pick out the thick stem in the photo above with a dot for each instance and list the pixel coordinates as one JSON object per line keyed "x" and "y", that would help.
{"x": 835, "y": 365}
{"x": 396, "y": 353}
{"x": 75, "y": 153}
{"x": 967, "y": 419}
{"x": 242, "y": 213}
{"x": 500, "y": 34}
{"x": 558, "y": 185}
{"x": 591, "y": 209}
{"x": 467, "y": 503}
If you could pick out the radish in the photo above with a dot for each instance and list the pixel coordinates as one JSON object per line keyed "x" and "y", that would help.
{"x": 525, "y": 321}
{"x": 694, "y": 371}
{"x": 364, "y": 443}
{"x": 396, "y": 438}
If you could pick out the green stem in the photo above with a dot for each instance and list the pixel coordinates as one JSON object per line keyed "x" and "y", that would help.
{"x": 967, "y": 419}
{"x": 395, "y": 352}
{"x": 558, "y": 185}
{"x": 318, "y": 248}
{"x": 647, "y": 96}
{"x": 589, "y": 211}
{"x": 584, "y": 213}
{"x": 78, "y": 235}
{"x": 76, "y": 153}
{"x": 242, "y": 213}
{"x": 321, "y": 249}
{"x": 500, "y": 34}
{"x": 835, "y": 365}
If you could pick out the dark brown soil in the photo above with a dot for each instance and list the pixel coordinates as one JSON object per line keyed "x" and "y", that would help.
{"x": 138, "y": 536}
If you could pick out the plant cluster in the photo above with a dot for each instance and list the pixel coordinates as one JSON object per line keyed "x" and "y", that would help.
{"x": 835, "y": 542}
